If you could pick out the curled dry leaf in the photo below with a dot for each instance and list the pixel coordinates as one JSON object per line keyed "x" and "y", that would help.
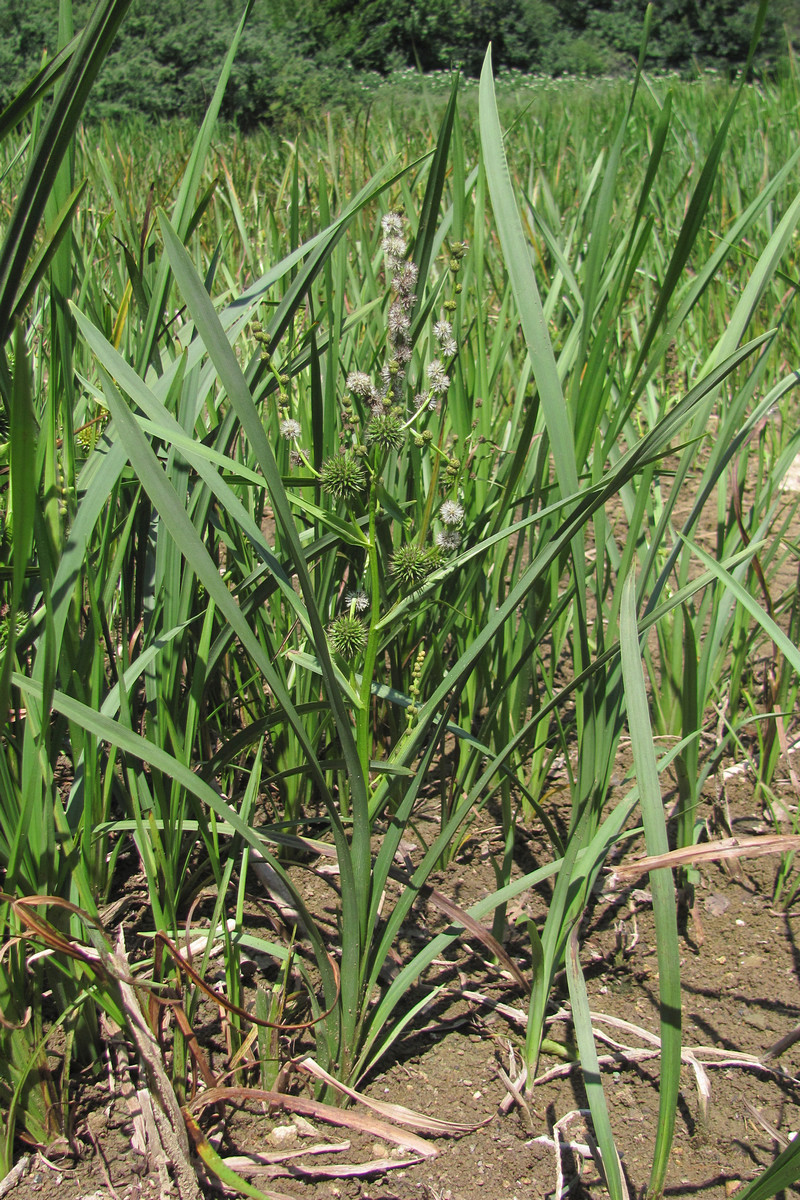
{"x": 276, "y": 1158}
{"x": 393, "y": 1112}
{"x": 750, "y": 847}
{"x": 250, "y": 1164}
{"x": 703, "y": 1085}
{"x": 460, "y": 917}
{"x": 363, "y": 1122}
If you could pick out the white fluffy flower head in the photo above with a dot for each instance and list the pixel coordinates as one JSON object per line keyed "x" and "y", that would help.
{"x": 392, "y": 225}
{"x": 451, "y": 513}
{"x": 359, "y": 383}
{"x": 290, "y": 429}
{"x": 438, "y": 377}
{"x": 357, "y": 599}
{"x": 448, "y": 539}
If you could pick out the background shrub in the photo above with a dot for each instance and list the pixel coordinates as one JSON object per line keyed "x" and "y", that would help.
{"x": 297, "y": 59}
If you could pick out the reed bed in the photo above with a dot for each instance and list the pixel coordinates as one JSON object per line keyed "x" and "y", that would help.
{"x": 325, "y": 453}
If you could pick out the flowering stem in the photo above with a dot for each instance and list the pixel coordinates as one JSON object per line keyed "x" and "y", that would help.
{"x": 301, "y": 455}
{"x": 418, "y": 414}
{"x": 438, "y": 456}
{"x": 371, "y": 652}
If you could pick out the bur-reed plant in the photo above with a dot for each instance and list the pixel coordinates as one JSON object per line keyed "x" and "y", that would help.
{"x": 251, "y": 601}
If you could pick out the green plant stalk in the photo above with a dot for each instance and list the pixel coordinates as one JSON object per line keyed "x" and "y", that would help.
{"x": 22, "y": 470}
{"x": 364, "y": 714}
{"x": 686, "y": 767}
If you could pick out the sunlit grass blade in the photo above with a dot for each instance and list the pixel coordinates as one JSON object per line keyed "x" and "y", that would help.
{"x": 51, "y": 146}
{"x": 757, "y": 612}
{"x": 585, "y": 412}
{"x": 184, "y": 207}
{"x": 221, "y": 353}
{"x": 36, "y": 88}
{"x": 431, "y": 204}
{"x": 185, "y": 535}
{"x": 24, "y": 432}
{"x": 516, "y": 254}
{"x": 46, "y": 253}
{"x": 696, "y": 209}
{"x": 214, "y": 467}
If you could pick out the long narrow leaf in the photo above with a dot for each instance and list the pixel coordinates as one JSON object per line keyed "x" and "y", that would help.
{"x": 85, "y": 62}
{"x": 591, "y": 1072}
{"x": 778, "y": 1176}
{"x": 661, "y": 884}
{"x": 183, "y": 209}
{"x": 516, "y": 253}
{"x": 215, "y": 339}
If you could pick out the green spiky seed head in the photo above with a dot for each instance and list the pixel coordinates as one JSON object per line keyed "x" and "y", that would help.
{"x": 343, "y": 476}
{"x": 411, "y": 564}
{"x": 348, "y": 636}
{"x": 385, "y": 430}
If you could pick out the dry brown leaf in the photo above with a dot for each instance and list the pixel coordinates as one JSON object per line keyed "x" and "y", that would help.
{"x": 16, "y": 1173}
{"x": 270, "y": 1158}
{"x": 460, "y": 917}
{"x": 750, "y": 847}
{"x": 245, "y": 1164}
{"x": 392, "y": 1112}
{"x": 322, "y": 1112}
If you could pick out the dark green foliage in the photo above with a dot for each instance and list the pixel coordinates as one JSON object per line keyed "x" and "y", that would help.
{"x": 297, "y": 59}
{"x": 712, "y": 32}
{"x": 165, "y": 62}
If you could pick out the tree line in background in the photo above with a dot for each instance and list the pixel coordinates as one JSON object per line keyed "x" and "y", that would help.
{"x": 298, "y": 56}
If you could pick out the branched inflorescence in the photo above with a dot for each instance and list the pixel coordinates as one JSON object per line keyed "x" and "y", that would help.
{"x": 380, "y": 416}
